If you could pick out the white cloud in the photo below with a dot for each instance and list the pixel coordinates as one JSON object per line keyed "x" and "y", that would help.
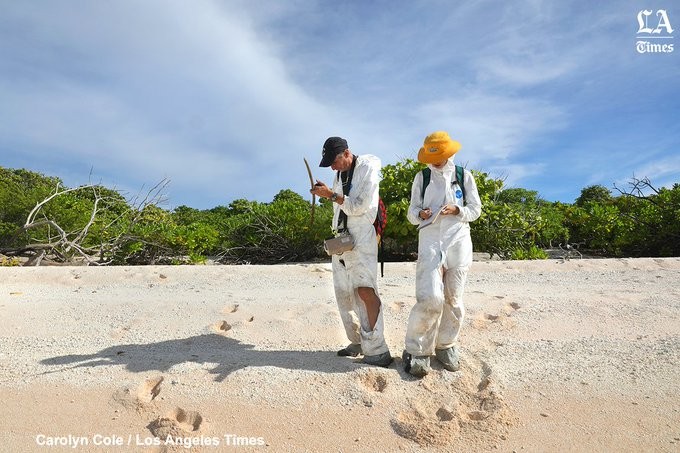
{"x": 527, "y": 71}
{"x": 492, "y": 127}
{"x": 224, "y": 98}
{"x": 662, "y": 172}
{"x": 186, "y": 91}
{"x": 513, "y": 174}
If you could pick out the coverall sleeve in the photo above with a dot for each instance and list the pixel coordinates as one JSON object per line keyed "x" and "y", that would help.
{"x": 471, "y": 211}
{"x": 416, "y": 204}
{"x": 365, "y": 183}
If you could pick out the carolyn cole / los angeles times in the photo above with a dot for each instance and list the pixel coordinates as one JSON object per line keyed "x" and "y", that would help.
{"x": 112, "y": 440}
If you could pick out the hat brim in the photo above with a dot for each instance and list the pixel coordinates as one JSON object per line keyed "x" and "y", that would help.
{"x": 440, "y": 154}
{"x": 327, "y": 160}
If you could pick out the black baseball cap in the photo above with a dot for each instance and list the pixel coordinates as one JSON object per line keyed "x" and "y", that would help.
{"x": 331, "y": 148}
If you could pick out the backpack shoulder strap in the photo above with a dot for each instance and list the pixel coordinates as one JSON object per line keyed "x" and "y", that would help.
{"x": 427, "y": 173}
{"x": 460, "y": 177}
{"x": 346, "y": 180}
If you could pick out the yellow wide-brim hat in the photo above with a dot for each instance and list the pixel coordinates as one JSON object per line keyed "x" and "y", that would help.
{"x": 437, "y": 147}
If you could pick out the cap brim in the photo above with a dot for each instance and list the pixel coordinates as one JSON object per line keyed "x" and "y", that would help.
{"x": 327, "y": 161}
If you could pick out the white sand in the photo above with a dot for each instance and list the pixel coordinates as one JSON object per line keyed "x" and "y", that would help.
{"x": 582, "y": 355}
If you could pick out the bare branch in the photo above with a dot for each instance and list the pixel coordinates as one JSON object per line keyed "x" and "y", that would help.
{"x": 95, "y": 209}
{"x": 39, "y": 205}
{"x": 638, "y": 189}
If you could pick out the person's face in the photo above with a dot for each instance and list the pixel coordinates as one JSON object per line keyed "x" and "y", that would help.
{"x": 440, "y": 164}
{"x": 342, "y": 162}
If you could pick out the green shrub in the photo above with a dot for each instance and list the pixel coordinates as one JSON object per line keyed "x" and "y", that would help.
{"x": 276, "y": 232}
{"x": 532, "y": 253}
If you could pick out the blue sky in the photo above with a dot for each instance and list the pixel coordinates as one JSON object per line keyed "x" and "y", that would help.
{"x": 224, "y": 98}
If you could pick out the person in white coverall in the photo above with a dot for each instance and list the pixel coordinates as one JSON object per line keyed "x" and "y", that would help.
{"x": 355, "y": 272}
{"x": 444, "y": 255}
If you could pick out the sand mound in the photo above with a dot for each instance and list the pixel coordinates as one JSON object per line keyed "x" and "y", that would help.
{"x": 449, "y": 409}
{"x": 178, "y": 423}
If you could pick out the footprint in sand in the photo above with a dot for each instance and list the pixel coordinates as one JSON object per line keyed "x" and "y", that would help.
{"x": 445, "y": 414}
{"x": 468, "y": 410}
{"x": 222, "y": 327}
{"x": 234, "y": 308}
{"x": 486, "y": 380}
{"x": 189, "y": 421}
{"x": 478, "y": 415}
{"x": 177, "y": 423}
{"x": 486, "y": 402}
{"x": 428, "y": 426}
{"x": 513, "y": 306}
{"x": 502, "y": 319}
{"x": 489, "y": 405}
{"x": 235, "y": 317}
{"x": 139, "y": 401}
{"x": 374, "y": 381}
{"x": 149, "y": 389}
{"x": 230, "y": 309}
{"x": 398, "y": 306}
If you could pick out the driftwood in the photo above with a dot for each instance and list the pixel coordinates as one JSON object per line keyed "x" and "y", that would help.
{"x": 63, "y": 244}
{"x": 570, "y": 251}
{"x": 67, "y": 247}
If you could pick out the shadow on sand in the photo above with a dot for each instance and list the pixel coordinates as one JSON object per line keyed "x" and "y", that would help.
{"x": 226, "y": 354}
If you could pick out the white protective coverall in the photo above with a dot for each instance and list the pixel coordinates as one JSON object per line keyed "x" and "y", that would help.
{"x": 444, "y": 257}
{"x": 358, "y": 267}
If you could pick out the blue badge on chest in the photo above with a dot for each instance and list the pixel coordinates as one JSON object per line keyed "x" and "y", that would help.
{"x": 459, "y": 194}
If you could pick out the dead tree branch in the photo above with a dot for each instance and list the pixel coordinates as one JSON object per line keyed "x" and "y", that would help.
{"x": 54, "y": 243}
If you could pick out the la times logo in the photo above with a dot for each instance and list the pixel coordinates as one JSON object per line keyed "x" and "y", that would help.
{"x": 654, "y": 40}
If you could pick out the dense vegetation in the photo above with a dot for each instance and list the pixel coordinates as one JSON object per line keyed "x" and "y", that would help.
{"x": 41, "y": 219}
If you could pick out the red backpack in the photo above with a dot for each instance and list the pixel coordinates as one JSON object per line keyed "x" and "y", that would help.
{"x": 380, "y": 223}
{"x": 380, "y": 220}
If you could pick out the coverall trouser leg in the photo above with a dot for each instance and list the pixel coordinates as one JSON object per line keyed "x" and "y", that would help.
{"x": 458, "y": 262}
{"x": 436, "y": 318}
{"x": 359, "y": 269}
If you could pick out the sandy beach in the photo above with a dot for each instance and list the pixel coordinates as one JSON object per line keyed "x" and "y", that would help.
{"x": 578, "y": 355}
